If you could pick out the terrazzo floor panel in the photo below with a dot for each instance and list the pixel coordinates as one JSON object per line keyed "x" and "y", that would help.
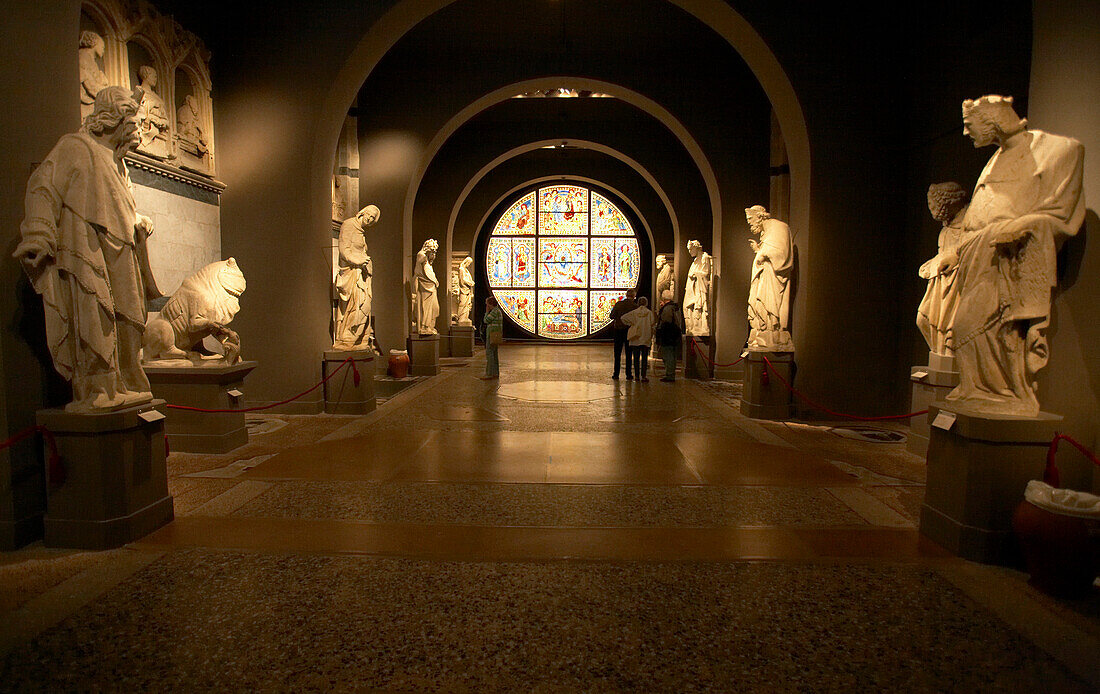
{"x": 204, "y": 620}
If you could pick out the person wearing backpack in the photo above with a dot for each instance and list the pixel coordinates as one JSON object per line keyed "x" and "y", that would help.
{"x": 670, "y": 326}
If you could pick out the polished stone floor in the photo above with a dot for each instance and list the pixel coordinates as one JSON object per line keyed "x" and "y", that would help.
{"x": 553, "y": 531}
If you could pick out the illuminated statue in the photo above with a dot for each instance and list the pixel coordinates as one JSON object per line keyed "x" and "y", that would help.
{"x": 84, "y": 249}
{"x": 425, "y": 299}
{"x": 769, "y": 290}
{"x": 204, "y": 305}
{"x": 936, "y": 313}
{"x": 697, "y": 291}
{"x": 1027, "y": 200}
{"x": 464, "y": 283}
{"x": 152, "y": 118}
{"x": 92, "y": 78}
{"x": 666, "y": 278}
{"x": 353, "y": 286}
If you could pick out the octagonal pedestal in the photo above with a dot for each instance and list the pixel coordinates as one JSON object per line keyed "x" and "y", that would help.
{"x": 424, "y": 354}
{"x": 767, "y": 398}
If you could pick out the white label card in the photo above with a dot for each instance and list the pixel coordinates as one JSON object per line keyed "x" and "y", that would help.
{"x": 944, "y": 420}
{"x": 234, "y": 393}
{"x": 919, "y": 375}
{"x": 151, "y": 416}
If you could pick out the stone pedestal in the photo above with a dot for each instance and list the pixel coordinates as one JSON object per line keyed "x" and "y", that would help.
{"x": 978, "y": 469}
{"x": 767, "y": 398}
{"x": 930, "y": 384}
{"x": 424, "y": 355}
{"x": 208, "y": 388}
{"x": 695, "y": 359}
{"x": 342, "y": 396}
{"x": 116, "y": 481}
{"x": 462, "y": 340}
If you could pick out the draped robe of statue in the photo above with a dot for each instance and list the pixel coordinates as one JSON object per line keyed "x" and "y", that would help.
{"x": 666, "y": 282}
{"x": 465, "y": 292}
{"x": 95, "y": 283}
{"x": 936, "y": 313}
{"x": 697, "y": 296}
{"x": 1034, "y": 180}
{"x": 354, "y": 291}
{"x": 426, "y": 301}
{"x": 769, "y": 298}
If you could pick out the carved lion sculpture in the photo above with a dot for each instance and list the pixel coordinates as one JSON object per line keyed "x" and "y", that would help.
{"x": 203, "y": 305}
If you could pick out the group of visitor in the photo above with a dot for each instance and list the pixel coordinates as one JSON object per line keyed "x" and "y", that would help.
{"x": 634, "y": 326}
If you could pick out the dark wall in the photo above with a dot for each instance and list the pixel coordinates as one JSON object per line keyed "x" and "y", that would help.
{"x": 38, "y": 43}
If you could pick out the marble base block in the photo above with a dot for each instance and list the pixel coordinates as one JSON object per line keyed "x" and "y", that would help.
{"x": 116, "y": 481}
{"x": 977, "y": 472}
{"x": 930, "y": 384}
{"x": 424, "y": 355}
{"x": 208, "y": 388}
{"x": 695, "y": 360}
{"x": 342, "y": 396}
{"x": 768, "y": 399}
{"x": 462, "y": 340}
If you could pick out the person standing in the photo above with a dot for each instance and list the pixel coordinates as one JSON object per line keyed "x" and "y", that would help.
{"x": 670, "y": 326}
{"x": 639, "y": 324}
{"x": 493, "y": 331}
{"x": 619, "y": 329}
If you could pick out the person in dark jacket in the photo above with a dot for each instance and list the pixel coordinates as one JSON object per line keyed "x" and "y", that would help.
{"x": 670, "y": 326}
{"x": 619, "y": 330}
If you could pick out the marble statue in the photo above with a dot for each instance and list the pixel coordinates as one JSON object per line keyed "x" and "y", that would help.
{"x": 203, "y": 305}
{"x": 425, "y": 300}
{"x": 84, "y": 249}
{"x": 153, "y": 118}
{"x": 464, "y": 280}
{"x": 697, "y": 291}
{"x": 666, "y": 278}
{"x": 92, "y": 77}
{"x": 1027, "y": 201}
{"x": 769, "y": 283}
{"x": 936, "y": 314}
{"x": 354, "y": 283}
{"x": 189, "y": 128}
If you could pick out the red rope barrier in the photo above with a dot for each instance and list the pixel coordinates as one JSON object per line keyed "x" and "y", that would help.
{"x": 826, "y": 410}
{"x": 1051, "y": 475}
{"x": 349, "y": 360}
{"x": 693, "y": 346}
{"x": 55, "y": 472}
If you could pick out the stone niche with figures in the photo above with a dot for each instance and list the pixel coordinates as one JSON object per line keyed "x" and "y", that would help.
{"x": 129, "y": 43}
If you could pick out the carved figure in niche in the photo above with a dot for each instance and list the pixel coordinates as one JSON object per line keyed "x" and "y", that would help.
{"x": 425, "y": 300}
{"x": 666, "y": 279}
{"x": 354, "y": 287}
{"x": 769, "y": 298}
{"x": 936, "y": 313}
{"x": 92, "y": 77}
{"x": 189, "y": 128}
{"x": 339, "y": 204}
{"x": 464, "y": 281}
{"x": 697, "y": 291}
{"x": 153, "y": 118}
{"x": 1027, "y": 201}
{"x": 84, "y": 249}
{"x": 204, "y": 305}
